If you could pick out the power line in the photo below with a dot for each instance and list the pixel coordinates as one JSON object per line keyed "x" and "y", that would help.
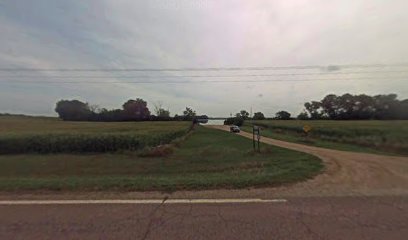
{"x": 209, "y": 76}
{"x": 324, "y": 67}
{"x": 211, "y": 81}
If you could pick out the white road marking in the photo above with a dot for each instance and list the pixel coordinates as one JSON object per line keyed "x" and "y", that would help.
{"x": 138, "y": 201}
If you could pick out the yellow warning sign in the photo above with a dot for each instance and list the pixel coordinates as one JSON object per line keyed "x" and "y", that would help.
{"x": 307, "y": 128}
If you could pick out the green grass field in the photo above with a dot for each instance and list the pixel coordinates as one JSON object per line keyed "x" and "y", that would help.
{"x": 206, "y": 159}
{"x": 51, "y": 135}
{"x": 362, "y": 136}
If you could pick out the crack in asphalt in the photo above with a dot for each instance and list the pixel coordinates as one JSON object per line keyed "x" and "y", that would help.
{"x": 149, "y": 225}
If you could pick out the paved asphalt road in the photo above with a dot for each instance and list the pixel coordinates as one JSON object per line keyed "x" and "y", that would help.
{"x": 298, "y": 218}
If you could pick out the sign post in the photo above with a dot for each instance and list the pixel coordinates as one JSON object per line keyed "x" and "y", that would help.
{"x": 256, "y": 131}
{"x": 253, "y": 136}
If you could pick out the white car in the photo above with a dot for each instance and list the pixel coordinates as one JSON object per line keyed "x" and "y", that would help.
{"x": 234, "y": 129}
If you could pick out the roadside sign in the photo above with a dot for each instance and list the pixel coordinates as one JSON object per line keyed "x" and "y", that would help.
{"x": 307, "y": 128}
{"x": 256, "y": 131}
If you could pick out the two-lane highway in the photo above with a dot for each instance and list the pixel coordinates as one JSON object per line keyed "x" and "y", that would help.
{"x": 296, "y": 218}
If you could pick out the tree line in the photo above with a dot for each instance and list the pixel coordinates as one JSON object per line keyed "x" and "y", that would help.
{"x": 356, "y": 107}
{"x": 132, "y": 110}
{"x": 331, "y": 107}
{"x": 344, "y": 107}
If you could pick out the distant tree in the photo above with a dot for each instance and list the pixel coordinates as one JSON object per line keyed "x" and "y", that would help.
{"x": 258, "y": 116}
{"x": 160, "y": 111}
{"x": 403, "y": 109}
{"x": 314, "y": 109}
{"x": 73, "y": 110}
{"x": 95, "y": 108}
{"x": 330, "y": 106}
{"x": 189, "y": 114}
{"x": 114, "y": 115}
{"x": 348, "y": 106}
{"x": 242, "y": 114}
{"x": 136, "y": 110}
{"x": 303, "y": 116}
{"x": 282, "y": 115}
{"x": 163, "y": 113}
{"x": 238, "y": 121}
{"x": 386, "y": 106}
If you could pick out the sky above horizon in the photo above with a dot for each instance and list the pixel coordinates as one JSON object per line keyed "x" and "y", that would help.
{"x": 179, "y": 34}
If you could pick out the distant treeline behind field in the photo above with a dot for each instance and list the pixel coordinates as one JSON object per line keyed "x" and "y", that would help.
{"x": 331, "y": 107}
{"x": 132, "y": 110}
{"x": 356, "y": 107}
{"x": 344, "y": 107}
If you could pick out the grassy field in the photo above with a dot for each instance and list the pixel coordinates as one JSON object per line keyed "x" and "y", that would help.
{"x": 361, "y": 136}
{"x": 207, "y": 159}
{"x": 51, "y": 135}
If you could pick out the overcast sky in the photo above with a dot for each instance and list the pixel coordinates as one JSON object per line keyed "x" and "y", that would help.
{"x": 120, "y": 34}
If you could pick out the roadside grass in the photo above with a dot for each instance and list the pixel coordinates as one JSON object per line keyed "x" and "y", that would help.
{"x": 378, "y": 137}
{"x": 51, "y": 135}
{"x": 206, "y": 159}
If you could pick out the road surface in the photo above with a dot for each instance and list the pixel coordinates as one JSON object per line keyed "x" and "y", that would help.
{"x": 298, "y": 218}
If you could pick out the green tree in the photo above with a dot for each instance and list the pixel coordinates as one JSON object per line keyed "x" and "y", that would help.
{"x": 73, "y": 110}
{"x": 314, "y": 109}
{"x": 242, "y": 114}
{"x": 189, "y": 114}
{"x": 258, "y": 116}
{"x": 303, "y": 116}
{"x": 136, "y": 109}
{"x": 282, "y": 115}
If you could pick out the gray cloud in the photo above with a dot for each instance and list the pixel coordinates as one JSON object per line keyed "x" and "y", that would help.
{"x": 180, "y": 33}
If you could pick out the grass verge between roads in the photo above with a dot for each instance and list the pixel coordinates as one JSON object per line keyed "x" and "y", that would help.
{"x": 378, "y": 137}
{"x": 206, "y": 159}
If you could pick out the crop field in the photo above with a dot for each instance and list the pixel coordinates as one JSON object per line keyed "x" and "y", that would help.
{"x": 365, "y": 136}
{"x": 205, "y": 159}
{"x": 51, "y": 135}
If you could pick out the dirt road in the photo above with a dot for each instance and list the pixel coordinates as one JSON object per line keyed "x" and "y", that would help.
{"x": 346, "y": 173}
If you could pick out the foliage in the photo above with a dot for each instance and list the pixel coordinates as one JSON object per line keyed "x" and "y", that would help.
{"x": 189, "y": 114}
{"x": 133, "y": 110}
{"x": 282, "y": 115}
{"x": 258, "y": 116}
{"x": 136, "y": 110}
{"x": 73, "y": 110}
{"x": 160, "y": 112}
{"x": 349, "y": 107}
{"x": 302, "y": 116}
{"x": 238, "y": 121}
{"x": 242, "y": 114}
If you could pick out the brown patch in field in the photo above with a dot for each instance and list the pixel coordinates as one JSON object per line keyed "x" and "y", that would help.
{"x": 159, "y": 151}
